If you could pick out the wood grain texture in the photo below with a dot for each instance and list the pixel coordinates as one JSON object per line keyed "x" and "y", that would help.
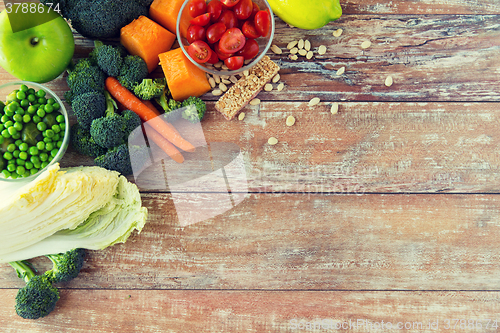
{"x": 258, "y": 311}
{"x": 308, "y": 242}
{"x": 365, "y": 148}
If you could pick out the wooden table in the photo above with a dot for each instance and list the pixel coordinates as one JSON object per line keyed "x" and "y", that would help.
{"x": 386, "y": 212}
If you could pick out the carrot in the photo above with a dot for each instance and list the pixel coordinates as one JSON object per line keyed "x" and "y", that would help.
{"x": 165, "y": 145}
{"x": 131, "y": 102}
{"x": 184, "y": 79}
{"x": 152, "y": 107}
{"x": 147, "y": 39}
{"x": 165, "y": 13}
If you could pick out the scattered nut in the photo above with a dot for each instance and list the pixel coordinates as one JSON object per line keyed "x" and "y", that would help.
{"x": 340, "y": 71}
{"x": 246, "y": 73}
{"x": 254, "y": 101}
{"x": 290, "y": 120}
{"x": 366, "y": 44}
{"x": 217, "y": 78}
{"x": 225, "y": 81}
{"x": 211, "y": 80}
{"x": 233, "y": 79}
{"x": 218, "y": 64}
{"x": 222, "y": 87}
{"x": 307, "y": 45}
{"x": 272, "y": 140}
{"x": 388, "y": 81}
{"x": 294, "y": 57}
{"x": 276, "y": 49}
{"x": 335, "y": 108}
{"x": 276, "y": 78}
{"x": 322, "y": 49}
{"x": 302, "y": 52}
{"x": 216, "y": 92}
{"x": 309, "y": 54}
{"x": 268, "y": 87}
{"x": 337, "y": 33}
{"x": 294, "y": 50}
{"x": 300, "y": 44}
{"x": 224, "y": 67}
{"x": 314, "y": 101}
{"x": 241, "y": 116}
{"x": 280, "y": 86}
{"x": 292, "y": 44}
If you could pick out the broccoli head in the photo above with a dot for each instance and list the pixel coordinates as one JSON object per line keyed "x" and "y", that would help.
{"x": 109, "y": 131}
{"x": 82, "y": 142}
{"x": 149, "y": 88}
{"x": 108, "y": 58}
{"x": 133, "y": 71}
{"x": 39, "y": 297}
{"x": 132, "y": 121}
{"x": 84, "y": 78}
{"x": 116, "y": 159}
{"x": 89, "y": 106}
{"x": 194, "y": 110}
{"x": 103, "y": 18}
{"x": 66, "y": 266}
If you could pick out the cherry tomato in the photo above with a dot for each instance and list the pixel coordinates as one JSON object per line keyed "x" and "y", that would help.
{"x": 214, "y": 7}
{"x": 201, "y": 20}
{"x": 234, "y": 63}
{"x": 213, "y": 59}
{"x": 243, "y": 9}
{"x": 195, "y": 32}
{"x": 199, "y": 51}
{"x": 229, "y": 19}
{"x": 215, "y": 32}
{"x": 222, "y": 55}
{"x": 250, "y": 50}
{"x": 232, "y": 41}
{"x": 262, "y": 22}
{"x": 249, "y": 29}
{"x": 229, "y": 3}
{"x": 197, "y": 7}
{"x": 255, "y": 9}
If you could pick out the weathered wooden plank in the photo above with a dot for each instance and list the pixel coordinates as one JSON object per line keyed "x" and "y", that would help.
{"x": 366, "y": 147}
{"x": 306, "y": 241}
{"x": 430, "y": 57}
{"x": 260, "y": 311}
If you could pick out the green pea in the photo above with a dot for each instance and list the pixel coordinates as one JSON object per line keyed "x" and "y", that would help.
{"x": 6, "y": 173}
{"x": 35, "y": 159}
{"x": 56, "y": 106}
{"x": 11, "y": 167}
{"x": 24, "y": 103}
{"x": 49, "y": 133}
{"x": 8, "y": 123}
{"x": 47, "y": 140}
{"x": 18, "y": 125}
{"x": 56, "y": 137}
{"x": 13, "y": 106}
{"x": 44, "y": 164}
{"x": 49, "y": 146}
{"x": 59, "y": 144}
{"x": 8, "y": 155}
{"x": 56, "y": 128}
{"x": 62, "y": 126}
{"x": 31, "y": 91}
{"x": 54, "y": 152}
{"x": 31, "y": 98}
{"x": 60, "y": 119}
{"x": 16, "y": 153}
{"x": 28, "y": 165}
{"x": 14, "y": 175}
{"x": 23, "y": 146}
{"x": 40, "y": 145}
{"x": 16, "y": 136}
{"x": 17, "y": 117}
{"x": 41, "y": 126}
{"x": 11, "y": 147}
{"x": 5, "y": 118}
{"x": 36, "y": 119}
{"x": 18, "y": 143}
{"x": 20, "y": 161}
{"x": 9, "y": 113}
{"x": 12, "y": 130}
{"x": 20, "y": 170}
{"x": 23, "y": 88}
{"x": 40, "y": 113}
{"x": 32, "y": 109}
{"x": 34, "y": 170}
{"x": 5, "y": 133}
{"x": 21, "y": 95}
{"x": 1, "y": 127}
{"x": 51, "y": 101}
{"x": 40, "y": 93}
{"x": 44, "y": 157}
{"x": 26, "y": 118}
{"x": 42, "y": 100}
{"x": 23, "y": 155}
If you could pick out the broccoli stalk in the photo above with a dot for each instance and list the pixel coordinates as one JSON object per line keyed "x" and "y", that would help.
{"x": 169, "y": 105}
{"x": 194, "y": 110}
{"x": 149, "y": 88}
{"x": 109, "y": 131}
{"x": 39, "y": 297}
{"x": 66, "y": 266}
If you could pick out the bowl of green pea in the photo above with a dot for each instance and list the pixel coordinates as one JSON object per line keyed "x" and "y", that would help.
{"x": 34, "y": 130}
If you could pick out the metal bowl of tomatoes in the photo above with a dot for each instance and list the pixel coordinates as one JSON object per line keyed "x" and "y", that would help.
{"x": 225, "y": 37}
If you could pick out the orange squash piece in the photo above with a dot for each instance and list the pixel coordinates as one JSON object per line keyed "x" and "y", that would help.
{"x": 165, "y": 12}
{"x": 184, "y": 79}
{"x": 147, "y": 39}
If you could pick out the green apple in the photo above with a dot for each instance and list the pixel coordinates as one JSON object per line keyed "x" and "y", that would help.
{"x": 38, "y": 53}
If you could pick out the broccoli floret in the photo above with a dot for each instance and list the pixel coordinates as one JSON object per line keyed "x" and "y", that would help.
{"x": 89, "y": 106}
{"x": 149, "y": 88}
{"x": 84, "y": 78}
{"x": 39, "y": 297}
{"x": 117, "y": 159}
{"x": 66, "y": 266}
{"x": 169, "y": 105}
{"x": 132, "y": 121}
{"x": 82, "y": 142}
{"x": 108, "y": 131}
{"x": 194, "y": 110}
{"x": 103, "y": 18}
{"x": 133, "y": 71}
{"x": 108, "y": 58}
